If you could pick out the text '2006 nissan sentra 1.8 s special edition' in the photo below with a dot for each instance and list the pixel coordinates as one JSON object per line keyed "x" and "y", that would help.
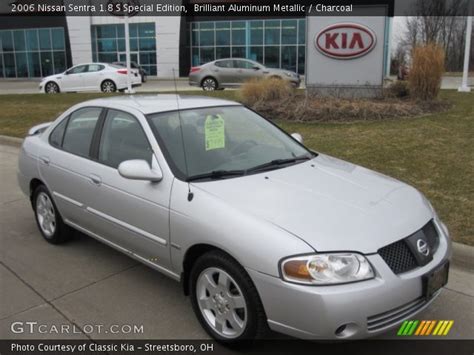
{"x": 261, "y": 231}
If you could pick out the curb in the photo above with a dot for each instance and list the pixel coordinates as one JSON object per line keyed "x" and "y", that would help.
{"x": 13, "y": 141}
{"x": 463, "y": 255}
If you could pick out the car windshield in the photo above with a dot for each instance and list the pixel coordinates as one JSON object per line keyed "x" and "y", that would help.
{"x": 220, "y": 142}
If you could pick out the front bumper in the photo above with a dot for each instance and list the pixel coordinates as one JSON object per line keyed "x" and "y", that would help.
{"x": 365, "y": 308}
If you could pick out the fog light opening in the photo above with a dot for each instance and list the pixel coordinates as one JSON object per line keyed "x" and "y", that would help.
{"x": 347, "y": 330}
{"x": 340, "y": 330}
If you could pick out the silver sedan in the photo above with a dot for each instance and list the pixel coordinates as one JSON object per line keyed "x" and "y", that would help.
{"x": 233, "y": 72}
{"x": 261, "y": 231}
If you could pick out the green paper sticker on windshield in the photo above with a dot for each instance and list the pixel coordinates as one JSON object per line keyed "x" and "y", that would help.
{"x": 214, "y": 132}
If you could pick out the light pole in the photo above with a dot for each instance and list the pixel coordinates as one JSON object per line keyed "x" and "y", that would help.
{"x": 127, "y": 56}
{"x": 467, "y": 51}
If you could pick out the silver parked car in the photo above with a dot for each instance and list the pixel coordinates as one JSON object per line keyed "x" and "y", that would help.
{"x": 233, "y": 72}
{"x": 261, "y": 231}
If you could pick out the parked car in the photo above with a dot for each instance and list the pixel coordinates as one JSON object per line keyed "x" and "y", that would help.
{"x": 89, "y": 77}
{"x": 233, "y": 72}
{"x": 136, "y": 66}
{"x": 260, "y": 230}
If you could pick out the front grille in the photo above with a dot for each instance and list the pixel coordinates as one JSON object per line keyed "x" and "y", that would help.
{"x": 399, "y": 256}
{"x": 389, "y": 318}
{"x": 431, "y": 235}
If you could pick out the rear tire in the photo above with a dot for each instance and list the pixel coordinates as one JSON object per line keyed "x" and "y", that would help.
{"x": 47, "y": 217}
{"x": 209, "y": 84}
{"x": 51, "y": 88}
{"x": 225, "y": 299}
{"x": 108, "y": 86}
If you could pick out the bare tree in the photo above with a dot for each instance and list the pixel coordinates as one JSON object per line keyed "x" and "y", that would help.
{"x": 441, "y": 22}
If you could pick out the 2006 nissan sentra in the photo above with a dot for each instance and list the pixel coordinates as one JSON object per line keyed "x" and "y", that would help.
{"x": 260, "y": 230}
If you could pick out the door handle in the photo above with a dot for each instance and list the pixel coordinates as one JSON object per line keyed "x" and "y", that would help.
{"x": 45, "y": 160}
{"x": 95, "y": 179}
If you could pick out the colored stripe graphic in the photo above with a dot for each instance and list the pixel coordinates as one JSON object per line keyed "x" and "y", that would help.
{"x": 430, "y": 328}
{"x": 402, "y": 328}
{"x": 448, "y": 327}
{"x": 440, "y": 323}
{"x": 413, "y": 327}
{"x": 425, "y": 328}
{"x": 420, "y": 327}
{"x": 407, "y": 328}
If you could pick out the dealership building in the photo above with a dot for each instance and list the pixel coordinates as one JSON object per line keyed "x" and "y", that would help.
{"x": 32, "y": 47}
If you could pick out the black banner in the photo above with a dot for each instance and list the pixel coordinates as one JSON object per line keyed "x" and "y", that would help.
{"x": 366, "y": 347}
{"x": 243, "y": 8}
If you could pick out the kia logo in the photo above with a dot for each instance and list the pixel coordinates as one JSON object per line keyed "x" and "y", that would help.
{"x": 422, "y": 247}
{"x": 345, "y": 40}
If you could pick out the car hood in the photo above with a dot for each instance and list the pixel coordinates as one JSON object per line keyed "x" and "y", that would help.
{"x": 331, "y": 204}
{"x": 52, "y": 77}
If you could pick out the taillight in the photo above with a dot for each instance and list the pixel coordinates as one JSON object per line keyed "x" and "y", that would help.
{"x": 194, "y": 69}
{"x": 122, "y": 71}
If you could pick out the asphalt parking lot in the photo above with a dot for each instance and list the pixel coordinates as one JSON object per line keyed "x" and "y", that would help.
{"x": 84, "y": 283}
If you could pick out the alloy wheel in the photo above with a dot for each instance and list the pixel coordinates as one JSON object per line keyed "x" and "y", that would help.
{"x": 221, "y": 302}
{"x": 45, "y": 214}
{"x": 52, "y": 88}
{"x": 209, "y": 84}
{"x": 108, "y": 86}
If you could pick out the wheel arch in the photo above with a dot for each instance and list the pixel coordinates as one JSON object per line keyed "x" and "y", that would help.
{"x": 192, "y": 255}
{"x": 34, "y": 183}
{"x": 108, "y": 79}
{"x": 54, "y": 82}
{"x": 210, "y": 77}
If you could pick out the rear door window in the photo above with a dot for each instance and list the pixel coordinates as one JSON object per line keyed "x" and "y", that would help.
{"x": 80, "y": 129}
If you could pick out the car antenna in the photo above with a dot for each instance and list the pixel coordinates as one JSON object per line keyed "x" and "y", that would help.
{"x": 190, "y": 193}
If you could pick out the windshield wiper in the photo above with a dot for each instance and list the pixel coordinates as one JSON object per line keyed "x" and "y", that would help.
{"x": 278, "y": 163}
{"x": 216, "y": 174}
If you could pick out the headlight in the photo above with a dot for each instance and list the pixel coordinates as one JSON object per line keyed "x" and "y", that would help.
{"x": 326, "y": 269}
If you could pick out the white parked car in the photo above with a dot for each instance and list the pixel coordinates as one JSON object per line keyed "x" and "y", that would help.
{"x": 90, "y": 77}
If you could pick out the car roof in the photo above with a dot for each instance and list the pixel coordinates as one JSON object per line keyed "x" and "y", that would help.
{"x": 148, "y": 104}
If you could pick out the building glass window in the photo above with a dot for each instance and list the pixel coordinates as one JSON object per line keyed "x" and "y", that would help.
{"x": 19, "y": 40}
{"x": 108, "y": 44}
{"x": 45, "y": 39}
{"x": 32, "y": 52}
{"x": 274, "y": 43}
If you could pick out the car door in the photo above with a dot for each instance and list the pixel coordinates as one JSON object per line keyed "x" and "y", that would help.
{"x": 66, "y": 167}
{"x": 93, "y": 76}
{"x": 246, "y": 70}
{"x": 224, "y": 72}
{"x": 72, "y": 79}
{"x": 135, "y": 213}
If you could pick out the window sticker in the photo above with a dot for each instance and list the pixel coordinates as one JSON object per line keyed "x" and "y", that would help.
{"x": 214, "y": 132}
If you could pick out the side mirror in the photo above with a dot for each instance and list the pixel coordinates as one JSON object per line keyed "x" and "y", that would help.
{"x": 256, "y": 67}
{"x": 139, "y": 169}
{"x": 298, "y": 137}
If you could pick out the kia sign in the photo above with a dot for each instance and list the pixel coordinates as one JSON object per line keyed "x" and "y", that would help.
{"x": 345, "y": 55}
{"x": 345, "y": 40}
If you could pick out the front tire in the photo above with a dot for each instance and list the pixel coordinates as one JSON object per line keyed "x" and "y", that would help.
{"x": 47, "y": 217}
{"x": 225, "y": 299}
{"x": 108, "y": 86}
{"x": 209, "y": 84}
{"x": 51, "y": 88}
